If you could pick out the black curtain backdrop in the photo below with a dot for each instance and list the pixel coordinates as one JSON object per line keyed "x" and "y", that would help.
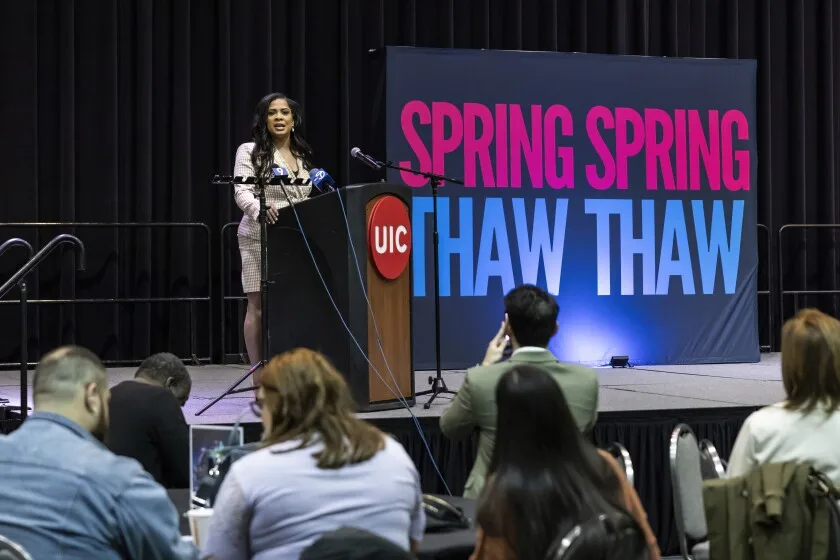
{"x": 123, "y": 111}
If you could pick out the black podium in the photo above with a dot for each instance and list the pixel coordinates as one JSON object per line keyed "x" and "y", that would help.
{"x": 300, "y": 313}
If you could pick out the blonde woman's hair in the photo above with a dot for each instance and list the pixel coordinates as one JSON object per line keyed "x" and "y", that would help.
{"x": 811, "y": 360}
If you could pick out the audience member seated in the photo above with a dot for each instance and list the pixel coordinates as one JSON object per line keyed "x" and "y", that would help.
{"x": 66, "y": 495}
{"x": 545, "y": 477}
{"x": 147, "y": 423}
{"x": 806, "y": 425}
{"x": 530, "y": 322}
{"x": 320, "y": 468}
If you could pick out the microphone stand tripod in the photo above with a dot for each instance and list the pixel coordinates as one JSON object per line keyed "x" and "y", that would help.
{"x": 261, "y": 184}
{"x": 438, "y": 384}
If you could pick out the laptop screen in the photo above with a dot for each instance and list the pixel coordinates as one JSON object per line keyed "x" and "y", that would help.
{"x": 206, "y": 439}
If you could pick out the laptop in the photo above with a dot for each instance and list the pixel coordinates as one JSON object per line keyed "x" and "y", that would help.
{"x": 205, "y": 440}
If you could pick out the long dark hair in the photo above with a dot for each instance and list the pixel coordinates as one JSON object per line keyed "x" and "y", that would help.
{"x": 262, "y": 155}
{"x": 544, "y": 477}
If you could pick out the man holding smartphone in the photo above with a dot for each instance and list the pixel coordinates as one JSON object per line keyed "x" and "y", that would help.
{"x": 530, "y": 323}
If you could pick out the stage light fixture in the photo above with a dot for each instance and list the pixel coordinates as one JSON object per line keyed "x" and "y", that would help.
{"x": 620, "y": 361}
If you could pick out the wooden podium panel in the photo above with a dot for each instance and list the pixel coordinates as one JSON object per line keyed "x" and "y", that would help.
{"x": 392, "y": 310}
{"x": 302, "y": 313}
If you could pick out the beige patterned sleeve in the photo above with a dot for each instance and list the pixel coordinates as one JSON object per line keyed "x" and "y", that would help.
{"x": 245, "y": 195}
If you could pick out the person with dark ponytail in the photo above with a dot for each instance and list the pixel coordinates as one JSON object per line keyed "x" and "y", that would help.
{"x": 544, "y": 478}
{"x": 277, "y": 138}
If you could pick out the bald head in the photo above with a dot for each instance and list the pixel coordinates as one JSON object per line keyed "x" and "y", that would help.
{"x": 63, "y": 374}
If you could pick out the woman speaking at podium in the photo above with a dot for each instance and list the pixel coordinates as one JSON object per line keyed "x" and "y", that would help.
{"x": 276, "y": 139}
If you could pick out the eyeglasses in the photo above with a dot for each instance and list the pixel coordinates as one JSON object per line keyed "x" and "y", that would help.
{"x": 257, "y": 406}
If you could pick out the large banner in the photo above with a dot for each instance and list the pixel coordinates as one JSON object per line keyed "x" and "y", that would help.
{"x": 625, "y": 186}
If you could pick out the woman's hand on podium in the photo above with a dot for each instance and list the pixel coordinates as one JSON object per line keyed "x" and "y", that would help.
{"x": 271, "y": 214}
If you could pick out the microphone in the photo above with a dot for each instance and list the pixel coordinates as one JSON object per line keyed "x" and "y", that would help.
{"x": 278, "y": 171}
{"x": 321, "y": 179}
{"x": 366, "y": 159}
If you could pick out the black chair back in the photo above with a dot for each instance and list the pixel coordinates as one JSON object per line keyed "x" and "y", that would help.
{"x": 10, "y": 550}
{"x": 350, "y": 543}
{"x": 614, "y": 536}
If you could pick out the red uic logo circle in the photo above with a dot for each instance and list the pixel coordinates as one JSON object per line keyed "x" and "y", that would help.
{"x": 389, "y": 236}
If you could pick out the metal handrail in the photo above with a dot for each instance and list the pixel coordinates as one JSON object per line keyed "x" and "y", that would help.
{"x": 17, "y": 241}
{"x": 24, "y": 330}
{"x": 18, "y": 278}
{"x": 769, "y": 291}
{"x": 224, "y": 270}
{"x": 40, "y": 255}
{"x": 24, "y": 351}
{"x": 195, "y": 356}
{"x": 797, "y": 293}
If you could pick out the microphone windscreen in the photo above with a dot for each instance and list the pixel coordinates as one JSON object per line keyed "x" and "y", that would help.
{"x": 317, "y": 175}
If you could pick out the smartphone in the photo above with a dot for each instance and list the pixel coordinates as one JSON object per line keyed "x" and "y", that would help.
{"x": 508, "y": 348}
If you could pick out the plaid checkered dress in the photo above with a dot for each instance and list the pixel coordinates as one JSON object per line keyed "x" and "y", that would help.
{"x": 246, "y": 198}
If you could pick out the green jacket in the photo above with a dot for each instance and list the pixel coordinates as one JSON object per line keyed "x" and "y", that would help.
{"x": 767, "y": 514}
{"x": 475, "y": 404}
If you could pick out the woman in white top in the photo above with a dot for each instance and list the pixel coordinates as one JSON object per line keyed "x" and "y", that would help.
{"x": 806, "y": 426}
{"x": 277, "y": 139}
{"x": 319, "y": 469}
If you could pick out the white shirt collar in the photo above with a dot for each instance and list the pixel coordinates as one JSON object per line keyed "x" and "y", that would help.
{"x": 528, "y": 349}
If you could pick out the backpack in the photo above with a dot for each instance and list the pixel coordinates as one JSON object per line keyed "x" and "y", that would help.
{"x": 780, "y": 511}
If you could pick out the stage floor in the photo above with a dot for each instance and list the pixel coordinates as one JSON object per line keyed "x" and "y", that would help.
{"x": 622, "y": 390}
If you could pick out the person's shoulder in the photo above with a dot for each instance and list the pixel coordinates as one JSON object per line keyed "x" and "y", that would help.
{"x": 245, "y": 149}
{"x": 488, "y": 375}
{"x": 104, "y": 474}
{"x": 133, "y": 387}
{"x": 770, "y": 417}
{"x": 114, "y": 473}
{"x": 122, "y": 388}
{"x": 393, "y": 447}
{"x": 77, "y": 456}
{"x": 769, "y": 423}
{"x": 134, "y": 391}
{"x": 273, "y": 457}
{"x": 611, "y": 462}
{"x": 396, "y": 453}
{"x": 127, "y": 467}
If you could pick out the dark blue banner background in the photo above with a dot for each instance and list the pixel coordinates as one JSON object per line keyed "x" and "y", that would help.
{"x": 665, "y": 275}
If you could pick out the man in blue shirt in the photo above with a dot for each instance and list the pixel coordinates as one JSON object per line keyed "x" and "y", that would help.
{"x": 65, "y": 495}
